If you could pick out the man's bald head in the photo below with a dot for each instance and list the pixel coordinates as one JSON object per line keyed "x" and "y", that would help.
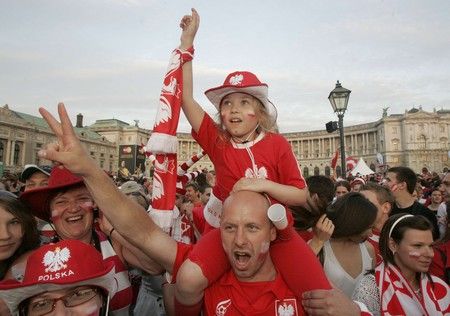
{"x": 255, "y": 200}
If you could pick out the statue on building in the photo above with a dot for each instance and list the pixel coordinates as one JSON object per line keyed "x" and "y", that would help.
{"x": 385, "y": 109}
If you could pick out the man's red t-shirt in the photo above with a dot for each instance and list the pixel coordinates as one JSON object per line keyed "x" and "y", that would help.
{"x": 229, "y": 296}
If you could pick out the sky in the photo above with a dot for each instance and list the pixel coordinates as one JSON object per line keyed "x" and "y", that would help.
{"x": 107, "y": 58}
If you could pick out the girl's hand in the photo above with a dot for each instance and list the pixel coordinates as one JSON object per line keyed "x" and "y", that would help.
{"x": 189, "y": 24}
{"x": 250, "y": 184}
{"x": 324, "y": 229}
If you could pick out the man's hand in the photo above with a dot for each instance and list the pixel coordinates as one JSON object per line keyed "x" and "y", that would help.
{"x": 329, "y": 302}
{"x": 189, "y": 24}
{"x": 68, "y": 151}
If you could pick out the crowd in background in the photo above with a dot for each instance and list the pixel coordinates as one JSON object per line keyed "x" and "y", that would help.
{"x": 345, "y": 233}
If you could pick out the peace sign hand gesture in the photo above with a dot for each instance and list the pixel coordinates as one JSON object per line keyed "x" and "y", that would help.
{"x": 68, "y": 151}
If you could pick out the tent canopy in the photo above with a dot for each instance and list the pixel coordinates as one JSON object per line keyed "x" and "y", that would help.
{"x": 361, "y": 168}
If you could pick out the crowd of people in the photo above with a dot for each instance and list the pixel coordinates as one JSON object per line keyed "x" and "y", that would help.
{"x": 251, "y": 237}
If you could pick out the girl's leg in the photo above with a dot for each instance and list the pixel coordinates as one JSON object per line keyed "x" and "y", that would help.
{"x": 303, "y": 271}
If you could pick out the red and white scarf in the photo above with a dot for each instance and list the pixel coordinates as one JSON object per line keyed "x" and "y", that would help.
{"x": 163, "y": 142}
{"x": 398, "y": 298}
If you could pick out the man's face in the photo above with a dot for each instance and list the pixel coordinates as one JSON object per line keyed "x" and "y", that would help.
{"x": 436, "y": 197}
{"x": 204, "y": 197}
{"x": 72, "y": 213}
{"x": 82, "y": 301}
{"x": 390, "y": 181}
{"x": 191, "y": 194}
{"x": 340, "y": 191}
{"x": 37, "y": 180}
{"x": 246, "y": 235}
{"x": 380, "y": 219}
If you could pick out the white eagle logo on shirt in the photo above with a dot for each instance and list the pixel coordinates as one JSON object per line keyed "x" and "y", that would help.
{"x": 286, "y": 310}
{"x": 261, "y": 174}
{"x": 55, "y": 260}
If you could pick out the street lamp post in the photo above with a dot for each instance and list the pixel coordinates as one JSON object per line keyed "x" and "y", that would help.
{"x": 339, "y": 100}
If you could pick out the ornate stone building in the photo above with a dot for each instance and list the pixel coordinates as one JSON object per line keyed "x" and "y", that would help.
{"x": 23, "y": 135}
{"x": 415, "y": 138}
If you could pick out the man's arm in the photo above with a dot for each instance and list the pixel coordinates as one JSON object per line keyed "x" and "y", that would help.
{"x": 125, "y": 215}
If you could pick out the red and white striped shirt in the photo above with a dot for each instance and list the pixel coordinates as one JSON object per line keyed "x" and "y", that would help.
{"x": 121, "y": 300}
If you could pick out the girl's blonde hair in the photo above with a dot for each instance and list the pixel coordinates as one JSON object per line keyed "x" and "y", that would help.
{"x": 266, "y": 122}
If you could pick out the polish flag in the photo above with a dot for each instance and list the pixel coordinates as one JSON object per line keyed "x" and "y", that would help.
{"x": 334, "y": 159}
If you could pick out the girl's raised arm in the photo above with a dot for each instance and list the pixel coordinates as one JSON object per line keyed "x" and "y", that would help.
{"x": 193, "y": 111}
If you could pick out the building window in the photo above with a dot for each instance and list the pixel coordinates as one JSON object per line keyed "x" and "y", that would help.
{"x": 338, "y": 171}
{"x": 327, "y": 171}
{"x": 16, "y": 154}
{"x": 1, "y": 151}
{"x": 316, "y": 171}
{"x": 305, "y": 172}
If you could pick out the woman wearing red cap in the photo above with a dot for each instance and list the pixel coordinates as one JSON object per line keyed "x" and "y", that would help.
{"x": 247, "y": 154}
{"x": 68, "y": 206}
{"x": 66, "y": 278}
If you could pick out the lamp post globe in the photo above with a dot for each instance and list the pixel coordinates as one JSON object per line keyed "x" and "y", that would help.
{"x": 338, "y": 98}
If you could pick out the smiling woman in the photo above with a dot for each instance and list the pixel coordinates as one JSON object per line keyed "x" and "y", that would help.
{"x": 401, "y": 284}
{"x": 68, "y": 206}
{"x": 18, "y": 231}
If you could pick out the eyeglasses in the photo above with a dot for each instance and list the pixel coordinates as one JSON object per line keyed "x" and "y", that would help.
{"x": 40, "y": 307}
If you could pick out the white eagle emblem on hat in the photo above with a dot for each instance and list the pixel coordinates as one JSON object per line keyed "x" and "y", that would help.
{"x": 55, "y": 260}
{"x": 237, "y": 79}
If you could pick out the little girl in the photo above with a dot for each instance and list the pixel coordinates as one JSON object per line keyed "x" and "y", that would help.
{"x": 247, "y": 155}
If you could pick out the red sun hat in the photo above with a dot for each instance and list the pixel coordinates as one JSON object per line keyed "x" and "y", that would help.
{"x": 243, "y": 82}
{"x": 38, "y": 199}
{"x": 68, "y": 263}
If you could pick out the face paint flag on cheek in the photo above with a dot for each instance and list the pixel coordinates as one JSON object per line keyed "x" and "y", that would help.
{"x": 163, "y": 142}
{"x": 414, "y": 254}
